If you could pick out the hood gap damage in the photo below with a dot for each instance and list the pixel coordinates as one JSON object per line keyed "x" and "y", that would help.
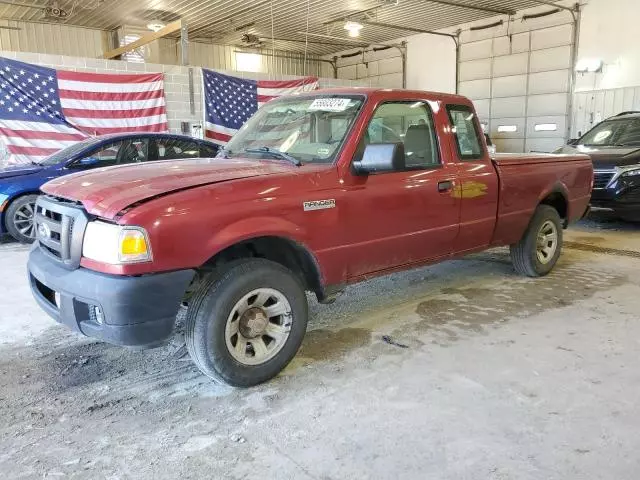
{"x": 137, "y": 203}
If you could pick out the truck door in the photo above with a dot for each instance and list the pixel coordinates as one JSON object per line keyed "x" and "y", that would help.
{"x": 409, "y": 216}
{"x": 478, "y": 180}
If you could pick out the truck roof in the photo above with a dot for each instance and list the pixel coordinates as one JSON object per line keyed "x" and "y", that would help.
{"x": 393, "y": 92}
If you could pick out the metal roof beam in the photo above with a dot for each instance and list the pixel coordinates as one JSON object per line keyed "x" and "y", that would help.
{"x": 145, "y": 39}
{"x": 293, "y": 40}
{"x": 554, "y": 4}
{"x": 353, "y": 15}
{"x": 333, "y": 37}
{"x": 406, "y": 29}
{"x": 481, "y": 8}
{"x": 235, "y": 14}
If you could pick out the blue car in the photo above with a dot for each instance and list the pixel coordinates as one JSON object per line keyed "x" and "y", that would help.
{"x": 20, "y": 185}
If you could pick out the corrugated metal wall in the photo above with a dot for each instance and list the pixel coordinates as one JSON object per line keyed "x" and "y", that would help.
{"x": 223, "y": 57}
{"x": 594, "y": 106}
{"x": 89, "y": 43}
{"x": 52, "y": 38}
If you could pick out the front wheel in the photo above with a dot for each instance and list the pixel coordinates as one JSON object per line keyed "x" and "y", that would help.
{"x": 245, "y": 324}
{"x": 538, "y": 251}
{"x": 19, "y": 218}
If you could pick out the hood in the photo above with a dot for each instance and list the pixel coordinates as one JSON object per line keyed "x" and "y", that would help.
{"x": 607, "y": 158}
{"x": 18, "y": 170}
{"x": 107, "y": 191}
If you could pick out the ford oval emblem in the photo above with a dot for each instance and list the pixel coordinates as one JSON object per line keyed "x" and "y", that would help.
{"x": 44, "y": 230}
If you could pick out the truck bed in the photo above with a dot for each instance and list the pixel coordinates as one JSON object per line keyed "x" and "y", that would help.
{"x": 506, "y": 159}
{"x": 527, "y": 179}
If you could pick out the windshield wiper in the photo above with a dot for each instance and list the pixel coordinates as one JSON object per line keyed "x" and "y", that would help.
{"x": 274, "y": 153}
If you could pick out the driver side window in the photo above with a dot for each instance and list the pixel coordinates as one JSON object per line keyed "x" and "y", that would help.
{"x": 105, "y": 156}
{"x": 409, "y": 123}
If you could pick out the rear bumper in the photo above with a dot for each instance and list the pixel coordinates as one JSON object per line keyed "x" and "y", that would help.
{"x": 136, "y": 311}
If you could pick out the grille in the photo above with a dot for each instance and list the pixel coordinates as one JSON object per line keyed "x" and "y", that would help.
{"x": 60, "y": 227}
{"x": 602, "y": 179}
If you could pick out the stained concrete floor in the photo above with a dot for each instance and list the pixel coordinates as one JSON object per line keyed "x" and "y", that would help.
{"x": 492, "y": 376}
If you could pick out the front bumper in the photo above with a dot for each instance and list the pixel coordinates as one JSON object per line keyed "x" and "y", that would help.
{"x": 624, "y": 201}
{"x": 136, "y": 311}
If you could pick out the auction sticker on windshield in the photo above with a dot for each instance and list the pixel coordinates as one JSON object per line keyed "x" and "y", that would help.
{"x": 330, "y": 104}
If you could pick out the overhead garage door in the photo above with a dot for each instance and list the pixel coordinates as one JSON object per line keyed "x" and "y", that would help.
{"x": 519, "y": 84}
{"x": 593, "y": 106}
{"x": 380, "y": 68}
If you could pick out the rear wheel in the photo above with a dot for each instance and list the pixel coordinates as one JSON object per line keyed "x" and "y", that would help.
{"x": 538, "y": 251}
{"x": 246, "y": 323}
{"x": 19, "y": 218}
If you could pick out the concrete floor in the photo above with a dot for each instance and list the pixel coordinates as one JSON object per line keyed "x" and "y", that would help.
{"x": 502, "y": 378}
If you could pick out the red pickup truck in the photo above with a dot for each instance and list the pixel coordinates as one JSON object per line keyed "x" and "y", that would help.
{"x": 315, "y": 192}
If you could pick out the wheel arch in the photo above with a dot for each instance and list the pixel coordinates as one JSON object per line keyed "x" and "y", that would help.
{"x": 12, "y": 199}
{"x": 282, "y": 249}
{"x": 557, "y": 197}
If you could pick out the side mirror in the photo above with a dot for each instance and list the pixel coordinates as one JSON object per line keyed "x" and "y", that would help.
{"x": 573, "y": 141}
{"x": 380, "y": 158}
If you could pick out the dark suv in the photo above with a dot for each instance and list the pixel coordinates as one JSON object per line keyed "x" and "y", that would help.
{"x": 614, "y": 147}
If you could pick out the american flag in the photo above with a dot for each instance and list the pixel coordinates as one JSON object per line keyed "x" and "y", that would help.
{"x": 43, "y": 110}
{"x": 231, "y": 101}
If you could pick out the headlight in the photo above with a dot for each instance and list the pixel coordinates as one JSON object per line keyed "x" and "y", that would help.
{"x": 116, "y": 244}
{"x": 631, "y": 172}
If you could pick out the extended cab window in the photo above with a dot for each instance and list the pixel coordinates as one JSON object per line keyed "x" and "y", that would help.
{"x": 409, "y": 123}
{"x": 463, "y": 123}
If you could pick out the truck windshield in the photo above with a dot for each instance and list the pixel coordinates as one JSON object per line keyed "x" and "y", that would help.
{"x": 610, "y": 133}
{"x": 309, "y": 129}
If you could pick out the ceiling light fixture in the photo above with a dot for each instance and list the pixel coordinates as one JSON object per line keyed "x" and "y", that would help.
{"x": 156, "y": 25}
{"x": 353, "y": 28}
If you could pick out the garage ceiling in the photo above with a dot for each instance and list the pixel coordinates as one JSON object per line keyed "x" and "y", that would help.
{"x": 226, "y": 21}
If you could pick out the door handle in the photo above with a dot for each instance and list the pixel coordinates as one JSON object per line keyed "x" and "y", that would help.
{"x": 445, "y": 186}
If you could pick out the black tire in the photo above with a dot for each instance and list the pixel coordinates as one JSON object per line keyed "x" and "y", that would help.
{"x": 13, "y": 215}
{"x": 524, "y": 253}
{"x": 213, "y": 303}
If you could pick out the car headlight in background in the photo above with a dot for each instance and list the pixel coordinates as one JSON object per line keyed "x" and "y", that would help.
{"x": 632, "y": 171}
{"x": 116, "y": 244}
{"x": 4, "y": 201}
